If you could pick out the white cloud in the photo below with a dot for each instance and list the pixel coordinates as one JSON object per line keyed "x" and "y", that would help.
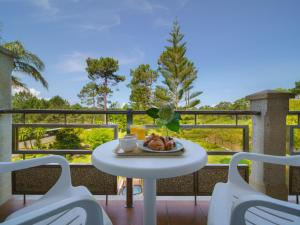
{"x": 163, "y": 22}
{"x": 142, "y": 5}
{"x": 49, "y": 11}
{"x": 133, "y": 58}
{"x": 101, "y": 17}
{"x": 73, "y": 63}
{"x": 45, "y": 4}
{"x": 33, "y": 91}
{"x": 182, "y": 3}
{"x": 112, "y": 21}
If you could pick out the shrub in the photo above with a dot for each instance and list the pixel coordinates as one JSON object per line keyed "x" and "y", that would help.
{"x": 67, "y": 139}
{"x": 96, "y": 136}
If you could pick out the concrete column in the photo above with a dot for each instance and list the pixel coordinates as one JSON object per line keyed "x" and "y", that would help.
{"x": 6, "y": 66}
{"x": 269, "y": 137}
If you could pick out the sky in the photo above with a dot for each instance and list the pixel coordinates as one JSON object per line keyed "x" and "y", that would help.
{"x": 238, "y": 46}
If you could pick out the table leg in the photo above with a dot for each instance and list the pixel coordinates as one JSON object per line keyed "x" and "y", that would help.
{"x": 149, "y": 202}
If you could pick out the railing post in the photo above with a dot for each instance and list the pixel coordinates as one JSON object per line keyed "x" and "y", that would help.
{"x": 6, "y": 66}
{"x": 269, "y": 137}
{"x": 129, "y": 120}
{"x": 129, "y": 189}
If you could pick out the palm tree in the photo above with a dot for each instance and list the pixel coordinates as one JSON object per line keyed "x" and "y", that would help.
{"x": 25, "y": 62}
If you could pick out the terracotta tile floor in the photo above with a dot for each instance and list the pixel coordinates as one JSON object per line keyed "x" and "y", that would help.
{"x": 168, "y": 212}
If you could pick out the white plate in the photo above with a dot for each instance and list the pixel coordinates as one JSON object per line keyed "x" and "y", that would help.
{"x": 178, "y": 147}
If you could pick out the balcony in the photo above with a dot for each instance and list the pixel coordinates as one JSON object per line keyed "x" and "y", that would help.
{"x": 262, "y": 127}
{"x": 180, "y": 200}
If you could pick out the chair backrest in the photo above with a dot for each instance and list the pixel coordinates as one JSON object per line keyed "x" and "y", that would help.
{"x": 261, "y": 209}
{"x": 64, "y": 180}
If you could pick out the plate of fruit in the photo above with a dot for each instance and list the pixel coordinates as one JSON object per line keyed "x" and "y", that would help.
{"x": 156, "y": 143}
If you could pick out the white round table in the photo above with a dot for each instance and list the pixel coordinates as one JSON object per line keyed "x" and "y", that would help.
{"x": 149, "y": 169}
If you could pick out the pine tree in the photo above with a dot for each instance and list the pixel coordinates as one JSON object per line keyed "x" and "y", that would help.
{"x": 178, "y": 72}
{"x": 90, "y": 95}
{"x": 102, "y": 72}
{"x": 142, "y": 79}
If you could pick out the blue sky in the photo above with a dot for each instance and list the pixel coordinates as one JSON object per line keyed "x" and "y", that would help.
{"x": 238, "y": 46}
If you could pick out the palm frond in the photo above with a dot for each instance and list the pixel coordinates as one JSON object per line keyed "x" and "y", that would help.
{"x": 35, "y": 60}
{"x": 32, "y": 71}
{"x": 26, "y": 62}
{"x": 194, "y": 103}
{"x": 17, "y": 83}
{"x": 195, "y": 94}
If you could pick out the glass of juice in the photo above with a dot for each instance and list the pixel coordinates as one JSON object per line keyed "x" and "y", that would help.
{"x": 141, "y": 133}
{"x": 133, "y": 129}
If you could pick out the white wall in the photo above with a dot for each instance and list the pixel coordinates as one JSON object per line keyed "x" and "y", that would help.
{"x": 6, "y": 65}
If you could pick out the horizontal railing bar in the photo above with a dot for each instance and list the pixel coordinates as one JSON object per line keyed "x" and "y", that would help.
{"x": 210, "y": 112}
{"x": 212, "y": 152}
{"x": 213, "y": 126}
{"x": 73, "y": 125}
{"x": 61, "y": 111}
{"x": 293, "y": 112}
{"x": 89, "y": 152}
{"x": 95, "y": 111}
{"x": 219, "y": 112}
{"x": 56, "y": 152}
{"x": 186, "y": 126}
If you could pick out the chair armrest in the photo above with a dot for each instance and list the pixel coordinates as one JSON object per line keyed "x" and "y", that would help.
{"x": 88, "y": 203}
{"x": 254, "y": 200}
{"x": 64, "y": 179}
{"x": 234, "y": 175}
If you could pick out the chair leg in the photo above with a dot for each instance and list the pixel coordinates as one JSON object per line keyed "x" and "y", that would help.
{"x": 106, "y": 199}
{"x": 195, "y": 200}
{"x": 297, "y": 199}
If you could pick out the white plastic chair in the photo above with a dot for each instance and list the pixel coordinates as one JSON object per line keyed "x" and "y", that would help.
{"x": 237, "y": 203}
{"x": 62, "y": 204}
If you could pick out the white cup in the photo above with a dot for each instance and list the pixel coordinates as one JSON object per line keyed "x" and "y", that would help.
{"x": 128, "y": 143}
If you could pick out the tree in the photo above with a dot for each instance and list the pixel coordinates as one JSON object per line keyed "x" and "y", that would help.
{"x": 142, "y": 79}
{"x": 26, "y": 62}
{"x": 90, "y": 95}
{"x": 26, "y": 100}
{"x": 296, "y": 89}
{"x": 223, "y": 106}
{"x": 178, "y": 72}
{"x": 102, "y": 72}
{"x": 58, "y": 102}
{"x": 241, "y": 104}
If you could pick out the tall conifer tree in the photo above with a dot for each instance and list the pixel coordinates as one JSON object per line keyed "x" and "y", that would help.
{"x": 178, "y": 72}
{"x": 102, "y": 71}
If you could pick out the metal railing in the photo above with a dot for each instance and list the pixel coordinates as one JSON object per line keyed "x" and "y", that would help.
{"x": 129, "y": 121}
{"x": 292, "y": 149}
{"x": 235, "y": 114}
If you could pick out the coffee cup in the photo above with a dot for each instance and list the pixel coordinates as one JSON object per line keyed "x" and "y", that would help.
{"x": 128, "y": 143}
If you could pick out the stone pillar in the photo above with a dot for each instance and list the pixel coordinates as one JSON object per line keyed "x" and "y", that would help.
{"x": 6, "y": 66}
{"x": 269, "y": 137}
